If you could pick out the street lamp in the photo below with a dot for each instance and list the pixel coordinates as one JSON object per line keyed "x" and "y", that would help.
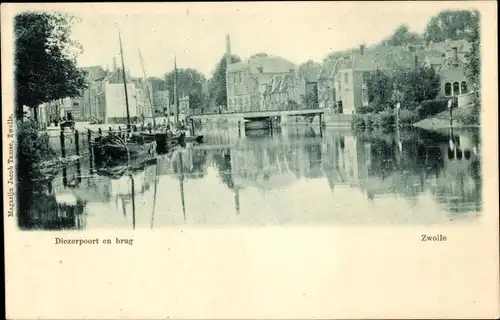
{"x": 450, "y": 107}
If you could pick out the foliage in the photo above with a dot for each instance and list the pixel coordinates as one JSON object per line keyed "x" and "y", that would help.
{"x": 431, "y": 107}
{"x": 32, "y": 148}
{"x": 473, "y": 66}
{"x": 259, "y": 55}
{"x": 416, "y": 85}
{"x": 358, "y": 121}
{"x": 471, "y": 118}
{"x": 217, "y": 90}
{"x": 363, "y": 109}
{"x": 385, "y": 118}
{"x": 310, "y": 99}
{"x": 369, "y": 119}
{"x": 309, "y": 65}
{"x": 379, "y": 87}
{"x": 450, "y": 24}
{"x": 157, "y": 84}
{"x": 403, "y": 36}
{"x": 45, "y": 59}
{"x": 407, "y": 116}
{"x": 189, "y": 83}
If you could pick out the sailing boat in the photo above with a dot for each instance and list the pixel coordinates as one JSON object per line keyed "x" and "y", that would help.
{"x": 181, "y": 128}
{"x": 130, "y": 146}
{"x": 166, "y": 137}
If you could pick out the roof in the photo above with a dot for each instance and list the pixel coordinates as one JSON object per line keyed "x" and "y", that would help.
{"x": 462, "y": 45}
{"x": 382, "y": 58}
{"x": 287, "y": 82}
{"x": 333, "y": 66}
{"x": 269, "y": 64}
{"x": 94, "y": 72}
{"x": 448, "y": 63}
{"x": 276, "y": 83}
{"x": 326, "y": 69}
{"x": 117, "y": 76}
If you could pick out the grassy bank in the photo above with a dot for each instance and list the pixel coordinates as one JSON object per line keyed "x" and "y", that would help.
{"x": 462, "y": 117}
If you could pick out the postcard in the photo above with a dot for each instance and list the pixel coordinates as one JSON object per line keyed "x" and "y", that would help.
{"x": 250, "y": 160}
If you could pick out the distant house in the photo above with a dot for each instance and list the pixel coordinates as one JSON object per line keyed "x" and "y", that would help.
{"x": 283, "y": 92}
{"x": 310, "y": 76}
{"x": 111, "y": 102}
{"x": 449, "y": 60}
{"x": 184, "y": 106}
{"x": 342, "y": 82}
{"x": 161, "y": 100}
{"x": 247, "y": 82}
{"x": 257, "y": 83}
{"x": 87, "y": 102}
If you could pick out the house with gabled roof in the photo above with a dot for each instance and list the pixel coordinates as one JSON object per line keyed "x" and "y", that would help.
{"x": 257, "y": 83}
{"x": 110, "y": 98}
{"x": 342, "y": 84}
{"x": 449, "y": 59}
{"x": 87, "y": 102}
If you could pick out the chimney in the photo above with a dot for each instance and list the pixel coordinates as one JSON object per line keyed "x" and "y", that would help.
{"x": 362, "y": 49}
{"x": 455, "y": 55}
{"x": 114, "y": 63}
{"x": 415, "y": 60}
{"x": 447, "y": 42}
{"x": 228, "y": 50}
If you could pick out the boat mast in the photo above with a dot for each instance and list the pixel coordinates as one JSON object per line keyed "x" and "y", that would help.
{"x": 181, "y": 183}
{"x": 176, "y": 97}
{"x": 124, "y": 82}
{"x": 147, "y": 88}
{"x": 133, "y": 200}
{"x": 154, "y": 197}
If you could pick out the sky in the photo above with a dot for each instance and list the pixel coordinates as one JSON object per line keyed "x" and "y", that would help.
{"x": 195, "y": 32}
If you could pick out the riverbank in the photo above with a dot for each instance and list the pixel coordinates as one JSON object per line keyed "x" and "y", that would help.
{"x": 461, "y": 119}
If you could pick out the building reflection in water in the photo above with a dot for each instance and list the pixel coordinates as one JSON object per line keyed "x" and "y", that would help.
{"x": 407, "y": 164}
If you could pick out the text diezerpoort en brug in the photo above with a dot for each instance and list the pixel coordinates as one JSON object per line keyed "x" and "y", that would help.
{"x": 81, "y": 242}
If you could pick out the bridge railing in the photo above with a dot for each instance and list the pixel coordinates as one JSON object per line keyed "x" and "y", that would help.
{"x": 313, "y": 106}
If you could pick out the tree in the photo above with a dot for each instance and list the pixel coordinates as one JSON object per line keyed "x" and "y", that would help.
{"x": 379, "y": 87}
{"x": 157, "y": 84}
{"x": 310, "y": 99}
{"x": 416, "y": 85}
{"x": 450, "y": 24}
{"x": 309, "y": 65}
{"x": 402, "y": 36}
{"x": 473, "y": 66}
{"x": 45, "y": 59}
{"x": 217, "y": 85}
{"x": 189, "y": 83}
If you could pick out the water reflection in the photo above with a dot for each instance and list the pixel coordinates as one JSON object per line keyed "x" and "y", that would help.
{"x": 293, "y": 176}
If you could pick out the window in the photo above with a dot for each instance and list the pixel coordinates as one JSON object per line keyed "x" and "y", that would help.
{"x": 366, "y": 76}
{"x": 346, "y": 78}
{"x": 447, "y": 89}
{"x": 364, "y": 93}
{"x": 456, "y": 89}
{"x": 463, "y": 87}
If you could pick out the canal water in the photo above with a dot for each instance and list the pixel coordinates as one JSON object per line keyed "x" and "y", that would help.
{"x": 293, "y": 176}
